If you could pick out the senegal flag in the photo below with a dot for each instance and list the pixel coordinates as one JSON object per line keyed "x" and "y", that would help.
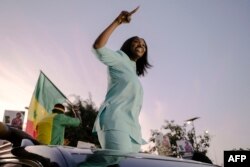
{"x": 45, "y": 96}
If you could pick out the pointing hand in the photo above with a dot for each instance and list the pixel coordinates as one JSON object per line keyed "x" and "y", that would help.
{"x": 125, "y": 16}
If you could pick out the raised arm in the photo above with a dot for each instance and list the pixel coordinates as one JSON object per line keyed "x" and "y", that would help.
{"x": 102, "y": 39}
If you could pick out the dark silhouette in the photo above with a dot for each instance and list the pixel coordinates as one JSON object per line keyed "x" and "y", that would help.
{"x": 198, "y": 156}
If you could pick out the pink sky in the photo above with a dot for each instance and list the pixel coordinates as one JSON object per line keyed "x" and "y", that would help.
{"x": 199, "y": 50}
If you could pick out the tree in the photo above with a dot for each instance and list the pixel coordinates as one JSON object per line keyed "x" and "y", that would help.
{"x": 177, "y": 132}
{"x": 87, "y": 111}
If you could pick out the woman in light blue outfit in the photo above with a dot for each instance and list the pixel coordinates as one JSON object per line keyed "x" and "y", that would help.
{"x": 117, "y": 124}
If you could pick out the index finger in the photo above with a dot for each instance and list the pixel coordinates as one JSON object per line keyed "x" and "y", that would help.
{"x": 133, "y": 11}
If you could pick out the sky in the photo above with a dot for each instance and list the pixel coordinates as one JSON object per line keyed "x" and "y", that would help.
{"x": 199, "y": 50}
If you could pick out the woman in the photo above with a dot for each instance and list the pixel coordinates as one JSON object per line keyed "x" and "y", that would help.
{"x": 117, "y": 123}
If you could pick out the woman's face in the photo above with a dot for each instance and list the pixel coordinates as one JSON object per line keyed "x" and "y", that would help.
{"x": 138, "y": 48}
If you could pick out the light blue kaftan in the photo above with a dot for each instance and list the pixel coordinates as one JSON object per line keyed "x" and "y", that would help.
{"x": 121, "y": 108}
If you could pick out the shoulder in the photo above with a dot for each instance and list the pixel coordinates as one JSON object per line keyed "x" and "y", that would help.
{"x": 121, "y": 53}
{"x": 109, "y": 56}
{"x": 63, "y": 116}
{"x": 105, "y": 50}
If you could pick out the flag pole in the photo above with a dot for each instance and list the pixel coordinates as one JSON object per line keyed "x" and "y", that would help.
{"x": 76, "y": 115}
{"x": 53, "y": 84}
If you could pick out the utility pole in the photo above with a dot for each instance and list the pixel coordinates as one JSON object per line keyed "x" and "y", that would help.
{"x": 191, "y": 121}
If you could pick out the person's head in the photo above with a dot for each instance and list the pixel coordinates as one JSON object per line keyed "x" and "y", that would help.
{"x": 58, "y": 108}
{"x": 137, "y": 50}
{"x": 18, "y": 115}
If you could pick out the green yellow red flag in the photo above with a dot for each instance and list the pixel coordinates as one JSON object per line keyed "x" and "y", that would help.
{"x": 44, "y": 97}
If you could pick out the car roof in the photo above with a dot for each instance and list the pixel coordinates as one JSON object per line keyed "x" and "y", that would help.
{"x": 65, "y": 156}
{"x": 77, "y": 152}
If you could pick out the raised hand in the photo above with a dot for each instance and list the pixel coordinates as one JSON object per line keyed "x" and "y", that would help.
{"x": 125, "y": 16}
